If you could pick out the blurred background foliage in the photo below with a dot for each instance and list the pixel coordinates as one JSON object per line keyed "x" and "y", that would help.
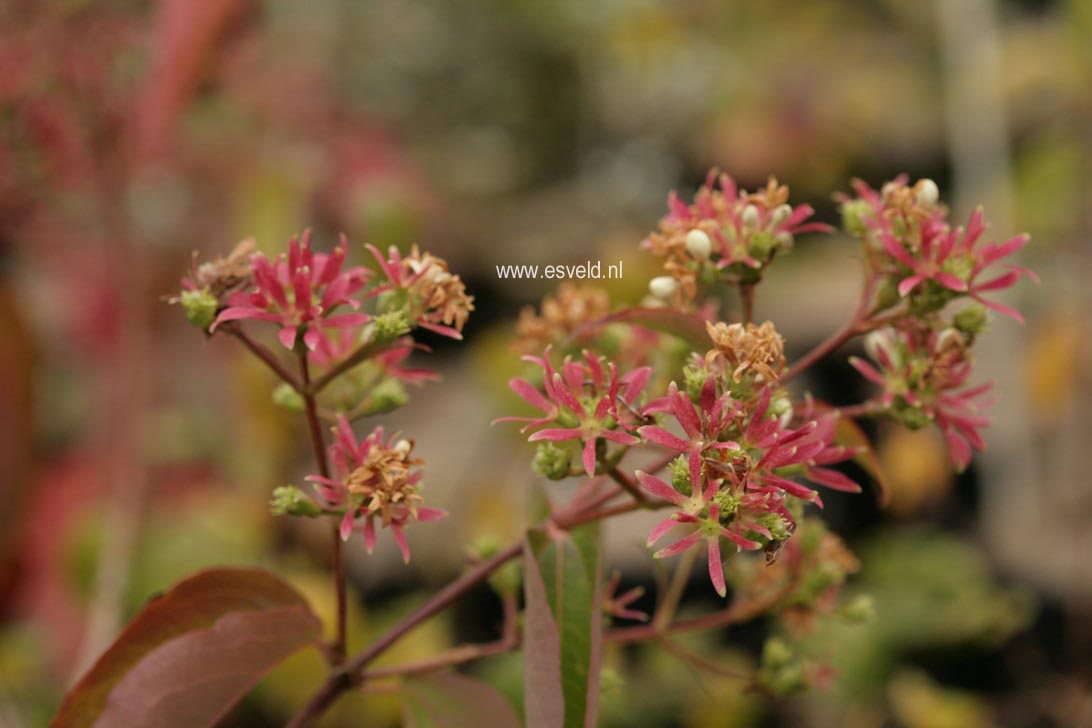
{"x": 132, "y": 452}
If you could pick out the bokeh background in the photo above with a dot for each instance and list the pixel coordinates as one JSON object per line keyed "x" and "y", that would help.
{"x": 133, "y": 451}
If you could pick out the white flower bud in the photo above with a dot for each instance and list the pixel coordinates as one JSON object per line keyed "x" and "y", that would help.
{"x": 928, "y": 193}
{"x": 663, "y": 287}
{"x": 780, "y": 214}
{"x": 698, "y": 243}
{"x": 750, "y": 216}
{"x": 403, "y": 446}
{"x": 784, "y": 240}
{"x": 878, "y": 341}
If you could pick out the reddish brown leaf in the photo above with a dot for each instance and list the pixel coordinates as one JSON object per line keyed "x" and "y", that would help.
{"x": 193, "y": 652}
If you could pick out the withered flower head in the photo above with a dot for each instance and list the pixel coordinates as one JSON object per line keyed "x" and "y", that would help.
{"x": 377, "y": 479}
{"x": 758, "y": 350}
{"x": 383, "y": 477}
{"x": 442, "y": 292}
{"x": 223, "y": 274}
{"x": 560, "y": 316}
{"x": 437, "y": 298}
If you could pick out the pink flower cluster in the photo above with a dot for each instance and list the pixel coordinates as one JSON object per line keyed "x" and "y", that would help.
{"x": 299, "y": 292}
{"x": 587, "y": 401}
{"x": 923, "y": 375}
{"x": 735, "y": 483}
{"x": 375, "y": 479}
{"x": 922, "y": 252}
{"x": 743, "y": 227}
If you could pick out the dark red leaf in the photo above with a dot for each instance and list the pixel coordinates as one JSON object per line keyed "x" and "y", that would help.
{"x": 193, "y": 652}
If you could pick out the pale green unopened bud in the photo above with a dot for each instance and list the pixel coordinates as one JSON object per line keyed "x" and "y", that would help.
{"x": 784, "y": 241}
{"x": 854, "y": 214}
{"x": 928, "y": 194}
{"x": 775, "y": 654}
{"x": 698, "y": 244}
{"x": 551, "y": 461}
{"x": 971, "y": 320}
{"x": 391, "y": 325}
{"x": 749, "y": 217}
{"x": 288, "y": 500}
{"x": 680, "y": 475}
{"x": 285, "y": 397}
{"x": 663, "y": 287}
{"x": 200, "y": 307}
{"x": 780, "y": 214}
{"x": 388, "y": 395}
{"x": 762, "y": 245}
{"x": 694, "y": 376}
{"x": 860, "y": 609}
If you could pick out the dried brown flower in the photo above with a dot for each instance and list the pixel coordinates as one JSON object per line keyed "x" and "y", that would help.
{"x": 758, "y": 350}
{"x": 561, "y": 315}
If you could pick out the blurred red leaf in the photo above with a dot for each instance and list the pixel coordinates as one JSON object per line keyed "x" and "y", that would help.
{"x": 687, "y": 326}
{"x": 850, "y": 434}
{"x": 562, "y": 627}
{"x": 193, "y": 652}
{"x": 451, "y": 700}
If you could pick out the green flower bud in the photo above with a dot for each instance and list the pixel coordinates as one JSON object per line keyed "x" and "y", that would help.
{"x": 762, "y": 245}
{"x": 775, "y": 654}
{"x": 680, "y": 474}
{"x": 391, "y": 325}
{"x": 388, "y": 395}
{"x": 971, "y": 320}
{"x": 749, "y": 216}
{"x": 288, "y": 500}
{"x": 860, "y": 609}
{"x": 780, "y": 214}
{"x": 200, "y": 307}
{"x": 694, "y": 376}
{"x": 781, "y": 405}
{"x": 285, "y": 397}
{"x": 551, "y": 461}
{"x": 854, "y": 214}
{"x": 887, "y": 295}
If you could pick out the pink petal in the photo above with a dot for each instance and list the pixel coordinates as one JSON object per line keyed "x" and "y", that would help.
{"x": 660, "y": 436}
{"x": 659, "y": 488}
{"x": 679, "y": 546}
{"x": 346, "y": 528}
{"x": 908, "y": 284}
{"x": 589, "y": 456}
{"x": 529, "y": 393}
{"x": 369, "y": 534}
{"x": 660, "y": 529}
{"x": 556, "y": 434}
{"x": 427, "y": 515}
{"x": 716, "y": 568}
{"x": 622, "y": 438}
{"x": 400, "y": 539}
{"x": 951, "y": 282}
{"x": 287, "y": 336}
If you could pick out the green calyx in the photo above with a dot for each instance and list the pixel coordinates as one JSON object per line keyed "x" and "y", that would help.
{"x": 288, "y": 500}
{"x": 200, "y": 307}
{"x": 551, "y": 461}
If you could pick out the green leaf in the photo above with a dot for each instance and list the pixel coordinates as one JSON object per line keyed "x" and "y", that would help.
{"x": 193, "y": 652}
{"x": 563, "y": 629}
{"x": 451, "y": 700}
